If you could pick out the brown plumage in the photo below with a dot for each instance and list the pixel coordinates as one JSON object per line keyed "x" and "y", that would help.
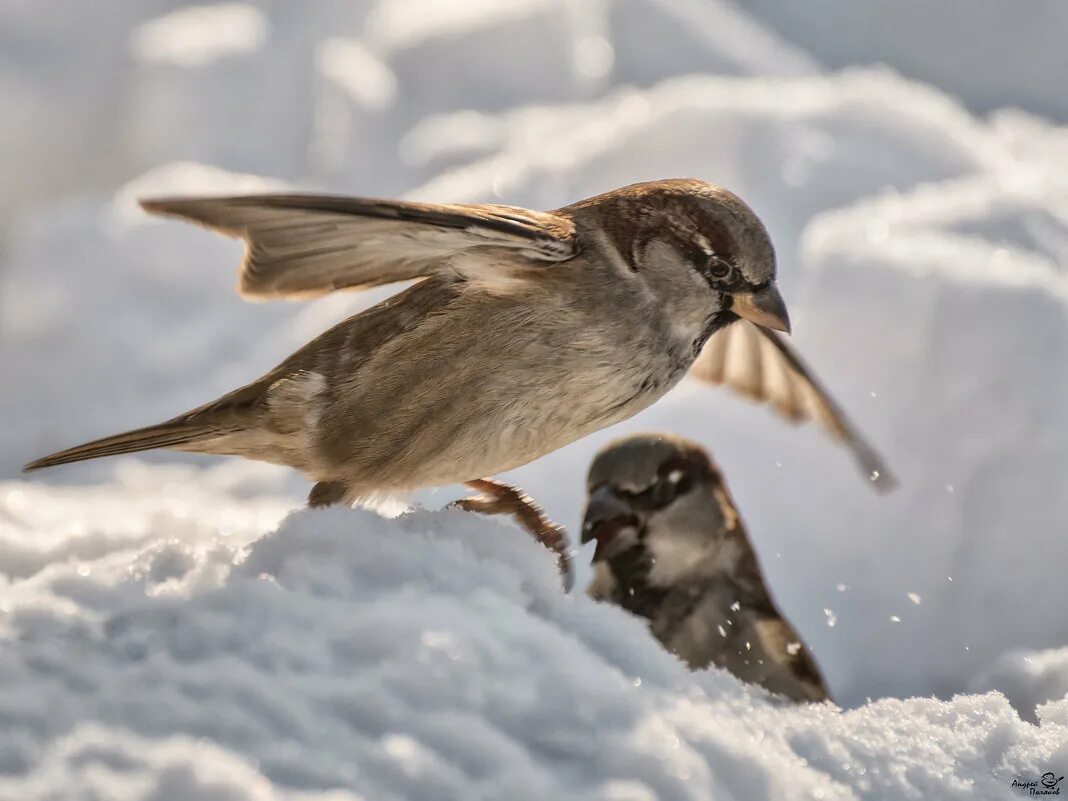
{"x": 527, "y": 330}
{"x": 307, "y": 245}
{"x": 672, "y": 548}
{"x": 757, "y": 364}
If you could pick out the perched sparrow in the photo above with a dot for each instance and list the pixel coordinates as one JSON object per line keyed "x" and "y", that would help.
{"x": 672, "y": 549}
{"x": 527, "y": 331}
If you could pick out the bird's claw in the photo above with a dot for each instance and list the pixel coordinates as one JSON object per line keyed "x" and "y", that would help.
{"x": 498, "y": 498}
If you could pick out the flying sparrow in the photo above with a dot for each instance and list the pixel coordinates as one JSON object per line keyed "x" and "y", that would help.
{"x": 672, "y": 548}
{"x": 527, "y": 331}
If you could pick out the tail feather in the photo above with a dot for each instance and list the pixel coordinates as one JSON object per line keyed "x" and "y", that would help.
{"x": 171, "y": 434}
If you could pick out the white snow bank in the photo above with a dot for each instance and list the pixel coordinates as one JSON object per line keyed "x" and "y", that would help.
{"x": 1028, "y": 679}
{"x": 433, "y": 656}
{"x": 956, "y": 299}
{"x": 991, "y": 53}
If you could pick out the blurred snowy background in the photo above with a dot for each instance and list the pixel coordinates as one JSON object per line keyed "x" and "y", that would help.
{"x": 908, "y": 158}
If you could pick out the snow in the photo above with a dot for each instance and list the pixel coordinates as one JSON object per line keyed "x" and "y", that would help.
{"x": 408, "y": 24}
{"x": 1028, "y": 679}
{"x": 184, "y": 655}
{"x": 999, "y": 53}
{"x": 175, "y": 627}
{"x": 195, "y": 36}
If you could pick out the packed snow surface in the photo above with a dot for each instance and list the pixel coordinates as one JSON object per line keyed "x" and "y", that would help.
{"x": 177, "y": 628}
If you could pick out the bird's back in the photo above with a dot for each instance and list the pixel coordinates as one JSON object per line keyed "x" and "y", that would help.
{"x": 733, "y": 623}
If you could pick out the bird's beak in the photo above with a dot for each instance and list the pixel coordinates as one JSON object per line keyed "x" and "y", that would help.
{"x": 765, "y": 308}
{"x": 609, "y": 521}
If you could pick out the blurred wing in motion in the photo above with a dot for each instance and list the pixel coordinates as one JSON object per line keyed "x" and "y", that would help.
{"x": 758, "y": 364}
{"x": 306, "y": 245}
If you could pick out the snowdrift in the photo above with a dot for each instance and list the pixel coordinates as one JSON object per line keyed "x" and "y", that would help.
{"x": 187, "y": 650}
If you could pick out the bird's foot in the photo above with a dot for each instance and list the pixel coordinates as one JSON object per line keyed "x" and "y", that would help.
{"x": 498, "y": 498}
{"x": 326, "y": 493}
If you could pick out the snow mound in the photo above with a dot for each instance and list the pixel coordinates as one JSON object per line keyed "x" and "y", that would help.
{"x": 960, "y": 290}
{"x": 1028, "y": 679}
{"x": 343, "y": 655}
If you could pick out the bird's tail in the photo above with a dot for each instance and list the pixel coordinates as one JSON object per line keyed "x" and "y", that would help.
{"x": 173, "y": 434}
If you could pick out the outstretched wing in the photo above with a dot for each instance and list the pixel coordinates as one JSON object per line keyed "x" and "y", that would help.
{"x": 305, "y": 245}
{"x": 758, "y": 364}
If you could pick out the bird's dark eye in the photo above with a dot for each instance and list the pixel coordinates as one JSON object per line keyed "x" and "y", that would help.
{"x": 717, "y": 268}
{"x": 680, "y": 481}
{"x": 673, "y": 480}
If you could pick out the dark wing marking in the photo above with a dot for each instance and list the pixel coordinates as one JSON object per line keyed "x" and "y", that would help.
{"x": 305, "y": 245}
{"x": 758, "y": 364}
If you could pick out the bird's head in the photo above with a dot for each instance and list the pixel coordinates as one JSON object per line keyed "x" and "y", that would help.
{"x": 697, "y": 247}
{"x": 659, "y": 511}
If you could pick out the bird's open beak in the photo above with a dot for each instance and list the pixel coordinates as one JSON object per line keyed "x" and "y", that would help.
{"x": 609, "y": 521}
{"x": 765, "y": 308}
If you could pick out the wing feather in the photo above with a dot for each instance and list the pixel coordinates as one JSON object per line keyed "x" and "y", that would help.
{"x": 305, "y": 245}
{"x": 759, "y": 365}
